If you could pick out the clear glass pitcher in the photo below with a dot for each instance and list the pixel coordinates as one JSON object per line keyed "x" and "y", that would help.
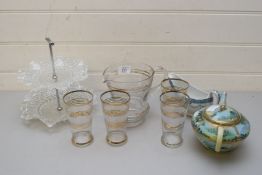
{"x": 136, "y": 79}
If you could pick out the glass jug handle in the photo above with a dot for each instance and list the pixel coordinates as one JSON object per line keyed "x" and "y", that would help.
{"x": 159, "y": 70}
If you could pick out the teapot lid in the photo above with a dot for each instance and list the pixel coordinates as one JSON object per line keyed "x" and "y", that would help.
{"x": 221, "y": 114}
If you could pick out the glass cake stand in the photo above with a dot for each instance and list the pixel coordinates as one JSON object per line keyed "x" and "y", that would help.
{"x": 44, "y": 101}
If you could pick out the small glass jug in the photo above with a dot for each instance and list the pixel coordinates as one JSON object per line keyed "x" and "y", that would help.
{"x": 136, "y": 79}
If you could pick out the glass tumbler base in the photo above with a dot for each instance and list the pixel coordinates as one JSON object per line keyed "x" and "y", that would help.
{"x": 116, "y": 138}
{"x": 171, "y": 140}
{"x": 82, "y": 139}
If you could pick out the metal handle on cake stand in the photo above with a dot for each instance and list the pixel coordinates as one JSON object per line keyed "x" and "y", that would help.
{"x": 54, "y": 76}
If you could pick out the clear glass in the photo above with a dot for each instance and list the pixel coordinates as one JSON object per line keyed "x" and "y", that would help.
{"x": 79, "y": 108}
{"x": 115, "y": 105}
{"x": 39, "y": 74}
{"x": 136, "y": 79}
{"x": 41, "y": 104}
{"x": 174, "y": 107}
{"x": 174, "y": 84}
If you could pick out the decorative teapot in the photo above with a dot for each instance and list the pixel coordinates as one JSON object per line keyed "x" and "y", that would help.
{"x": 219, "y": 127}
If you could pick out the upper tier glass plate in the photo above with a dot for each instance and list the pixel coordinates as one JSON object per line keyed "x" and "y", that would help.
{"x": 39, "y": 74}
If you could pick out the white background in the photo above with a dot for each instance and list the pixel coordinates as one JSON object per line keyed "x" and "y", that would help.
{"x": 210, "y": 43}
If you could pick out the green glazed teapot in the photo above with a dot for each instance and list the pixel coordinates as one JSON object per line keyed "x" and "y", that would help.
{"x": 219, "y": 127}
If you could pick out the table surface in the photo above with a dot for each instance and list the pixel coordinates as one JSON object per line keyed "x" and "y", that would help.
{"x": 31, "y": 148}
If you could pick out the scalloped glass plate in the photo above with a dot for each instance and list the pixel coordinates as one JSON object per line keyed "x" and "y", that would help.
{"x": 39, "y": 74}
{"x": 41, "y": 104}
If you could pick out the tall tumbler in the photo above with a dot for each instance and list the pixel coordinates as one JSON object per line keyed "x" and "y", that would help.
{"x": 174, "y": 107}
{"x": 115, "y": 105}
{"x": 79, "y": 107}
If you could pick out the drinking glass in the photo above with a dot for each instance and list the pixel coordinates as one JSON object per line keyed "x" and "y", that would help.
{"x": 79, "y": 107}
{"x": 174, "y": 84}
{"x": 115, "y": 105}
{"x": 173, "y": 106}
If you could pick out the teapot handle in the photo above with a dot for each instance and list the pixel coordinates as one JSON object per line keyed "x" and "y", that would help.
{"x": 220, "y": 133}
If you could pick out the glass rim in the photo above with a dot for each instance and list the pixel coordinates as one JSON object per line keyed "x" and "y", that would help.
{"x": 74, "y": 91}
{"x": 147, "y": 78}
{"x": 188, "y": 99}
{"x": 176, "y": 79}
{"x": 125, "y": 102}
